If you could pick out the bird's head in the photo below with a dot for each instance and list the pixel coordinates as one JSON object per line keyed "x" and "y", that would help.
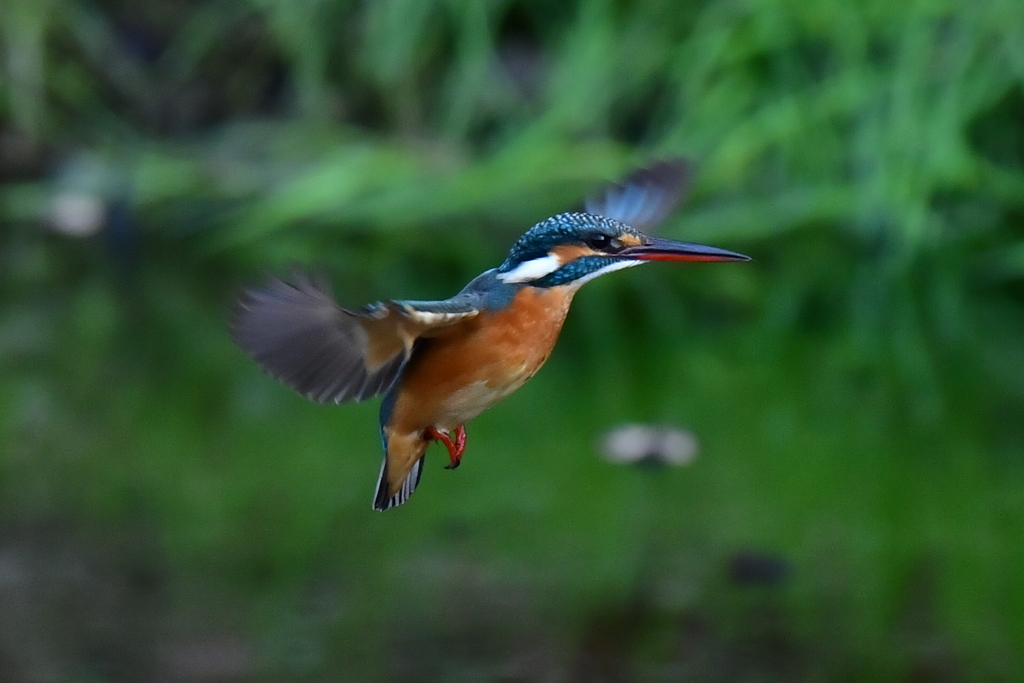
{"x": 573, "y": 248}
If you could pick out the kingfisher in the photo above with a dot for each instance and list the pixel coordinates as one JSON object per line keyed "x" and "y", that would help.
{"x": 439, "y": 364}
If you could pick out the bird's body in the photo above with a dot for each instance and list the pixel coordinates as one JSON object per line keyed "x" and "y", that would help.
{"x": 452, "y": 378}
{"x": 442, "y": 363}
{"x": 455, "y": 376}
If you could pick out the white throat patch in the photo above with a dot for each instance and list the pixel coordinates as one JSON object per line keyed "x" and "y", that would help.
{"x": 533, "y": 269}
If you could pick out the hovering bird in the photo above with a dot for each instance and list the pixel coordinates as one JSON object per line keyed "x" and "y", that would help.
{"x": 439, "y": 364}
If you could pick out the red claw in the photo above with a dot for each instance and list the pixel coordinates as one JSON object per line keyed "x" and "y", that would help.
{"x": 455, "y": 449}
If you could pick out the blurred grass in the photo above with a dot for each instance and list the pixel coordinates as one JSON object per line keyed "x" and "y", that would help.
{"x": 857, "y": 389}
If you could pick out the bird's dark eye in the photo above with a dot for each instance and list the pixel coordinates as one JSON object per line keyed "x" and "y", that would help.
{"x": 602, "y": 242}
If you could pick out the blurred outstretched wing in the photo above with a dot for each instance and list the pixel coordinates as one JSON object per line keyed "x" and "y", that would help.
{"x": 646, "y": 196}
{"x": 300, "y": 336}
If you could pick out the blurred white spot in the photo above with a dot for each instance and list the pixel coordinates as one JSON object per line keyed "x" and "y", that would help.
{"x": 77, "y": 214}
{"x": 660, "y": 444}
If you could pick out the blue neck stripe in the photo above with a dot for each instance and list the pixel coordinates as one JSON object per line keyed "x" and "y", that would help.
{"x": 574, "y": 270}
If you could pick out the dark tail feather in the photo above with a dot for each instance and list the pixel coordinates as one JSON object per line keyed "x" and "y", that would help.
{"x": 382, "y": 501}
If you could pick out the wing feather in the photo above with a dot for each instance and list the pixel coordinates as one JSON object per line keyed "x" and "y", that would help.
{"x": 299, "y": 335}
{"x": 646, "y": 196}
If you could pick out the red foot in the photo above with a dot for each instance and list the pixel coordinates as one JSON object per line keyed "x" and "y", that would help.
{"x": 456, "y": 449}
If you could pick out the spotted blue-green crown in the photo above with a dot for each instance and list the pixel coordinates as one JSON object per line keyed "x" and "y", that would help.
{"x": 565, "y": 228}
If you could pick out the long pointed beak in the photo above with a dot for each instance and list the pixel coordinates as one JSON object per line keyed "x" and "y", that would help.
{"x": 659, "y": 249}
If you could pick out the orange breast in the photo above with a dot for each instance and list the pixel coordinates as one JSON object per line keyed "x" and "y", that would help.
{"x": 453, "y": 378}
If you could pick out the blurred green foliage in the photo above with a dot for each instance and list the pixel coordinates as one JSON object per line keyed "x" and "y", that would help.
{"x": 858, "y": 389}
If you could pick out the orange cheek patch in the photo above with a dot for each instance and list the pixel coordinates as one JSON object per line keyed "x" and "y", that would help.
{"x": 567, "y": 253}
{"x": 630, "y": 240}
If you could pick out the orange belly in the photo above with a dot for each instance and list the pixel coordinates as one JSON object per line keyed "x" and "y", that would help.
{"x": 453, "y": 378}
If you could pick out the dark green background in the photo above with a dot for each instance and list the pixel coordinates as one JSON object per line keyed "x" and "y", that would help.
{"x": 855, "y": 512}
